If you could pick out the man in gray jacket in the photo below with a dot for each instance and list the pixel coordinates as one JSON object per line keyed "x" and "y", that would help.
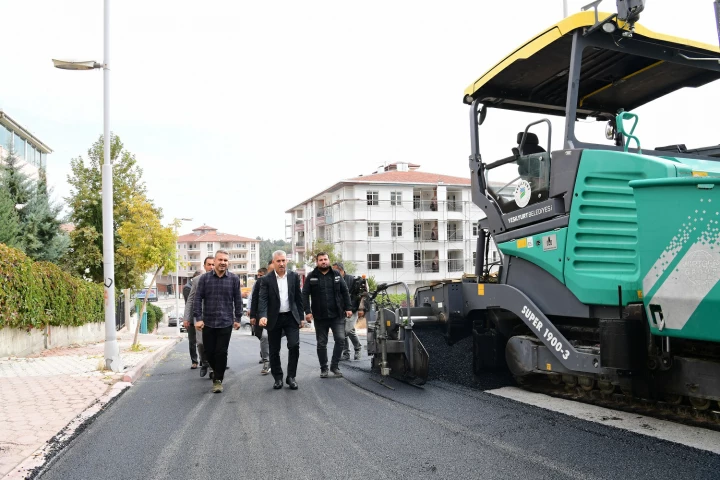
{"x": 196, "y": 335}
{"x": 350, "y": 333}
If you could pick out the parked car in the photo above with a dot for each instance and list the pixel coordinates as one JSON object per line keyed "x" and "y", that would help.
{"x": 173, "y": 318}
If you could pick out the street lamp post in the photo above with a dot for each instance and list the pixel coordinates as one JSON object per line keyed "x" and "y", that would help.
{"x": 112, "y": 351}
{"x": 177, "y": 274}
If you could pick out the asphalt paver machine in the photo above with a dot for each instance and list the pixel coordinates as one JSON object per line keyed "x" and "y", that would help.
{"x": 609, "y": 277}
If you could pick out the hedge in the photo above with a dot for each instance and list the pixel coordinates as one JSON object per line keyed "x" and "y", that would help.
{"x": 35, "y": 294}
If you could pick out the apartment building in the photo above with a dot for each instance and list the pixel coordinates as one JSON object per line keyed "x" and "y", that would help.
{"x": 204, "y": 241}
{"x": 397, "y": 224}
{"x": 28, "y": 148}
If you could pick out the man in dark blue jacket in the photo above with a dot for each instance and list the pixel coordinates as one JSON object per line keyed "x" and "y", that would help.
{"x": 329, "y": 308}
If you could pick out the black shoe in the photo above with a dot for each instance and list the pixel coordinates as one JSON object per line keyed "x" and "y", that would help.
{"x": 203, "y": 370}
{"x": 336, "y": 371}
{"x": 261, "y": 361}
{"x": 324, "y": 372}
{"x": 212, "y": 375}
{"x": 278, "y": 384}
{"x": 291, "y": 381}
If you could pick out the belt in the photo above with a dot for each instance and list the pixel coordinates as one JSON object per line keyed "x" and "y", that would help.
{"x": 285, "y": 313}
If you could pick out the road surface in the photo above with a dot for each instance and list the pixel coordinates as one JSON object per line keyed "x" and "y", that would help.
{"x": 169, "y": 426}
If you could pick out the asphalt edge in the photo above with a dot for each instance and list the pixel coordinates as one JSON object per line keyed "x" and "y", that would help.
{"x": 39, "y": 462}
{"x": 136, "y": 372}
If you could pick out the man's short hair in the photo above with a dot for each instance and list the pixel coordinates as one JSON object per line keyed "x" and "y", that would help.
{"x": 262, "y": 270}
{"x": 320, "y": 254}
{"x": 277, "y": 253}
{"x": 270, "y": 262}
{"x": 339, "y": 265}
{"x": 221, "y": 251}
{"x": 197, "y": 273}
{"x": 209, "y": 257}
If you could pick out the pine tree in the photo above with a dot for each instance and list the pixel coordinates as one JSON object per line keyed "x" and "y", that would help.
{"x": 9, "y": 221}
{"x": 15, "y": 181}
{"x": 41, "y": 235}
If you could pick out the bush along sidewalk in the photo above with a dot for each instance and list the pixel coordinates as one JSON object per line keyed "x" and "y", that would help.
{"x": 36, "y": 294}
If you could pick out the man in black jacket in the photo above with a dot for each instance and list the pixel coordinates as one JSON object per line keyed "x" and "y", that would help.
{"x": 258, "y": 331}
{"x": 329, "y": 308}
{"x": 280, "y": 307}
{"x": 350, "y": 334}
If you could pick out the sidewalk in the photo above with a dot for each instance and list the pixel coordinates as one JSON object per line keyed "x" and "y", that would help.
{"x": 45, "y": 393}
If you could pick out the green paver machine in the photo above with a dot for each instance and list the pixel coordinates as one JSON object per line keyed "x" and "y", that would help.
{"x": 610, "y": 272}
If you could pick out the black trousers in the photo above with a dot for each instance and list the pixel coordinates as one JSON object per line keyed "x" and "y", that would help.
{"x": 287, "y": 324}
{"x": 192, "y": 340}
{"x": 322, "y": 328}
{"x": 216, "y": 342}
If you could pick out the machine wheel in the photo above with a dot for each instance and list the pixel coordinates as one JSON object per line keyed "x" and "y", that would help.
{"x": 606, "y": 387}
{"x": 673, "y": 398}
{"x": 699, "y": 403}
{"x": 586, "y": 383}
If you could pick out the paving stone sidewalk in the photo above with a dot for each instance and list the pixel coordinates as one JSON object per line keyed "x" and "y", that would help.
{"x": 43, "y": 393}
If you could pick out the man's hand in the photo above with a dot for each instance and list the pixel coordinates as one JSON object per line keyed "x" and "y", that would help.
{"x": 361, "y": 313}
{"x": 186, "y": 324}
{"x": 236, "y": 325}
{"x": 199, "y": 325}
{"x": 348, "y": 314}
{"x": 309, "y": 317}
{"x": 253, "y": 321}
{"x": 263, "y": 322}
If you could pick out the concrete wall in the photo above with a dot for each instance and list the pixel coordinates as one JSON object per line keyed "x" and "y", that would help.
{"x": 20, "y": 343}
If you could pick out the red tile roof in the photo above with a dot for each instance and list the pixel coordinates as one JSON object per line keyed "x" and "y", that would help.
{"x": 211, "y": 235}
{"x": 413, "y": 177}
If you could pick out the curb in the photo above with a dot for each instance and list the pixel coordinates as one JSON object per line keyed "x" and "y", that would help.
{"x": 136, "y": 372}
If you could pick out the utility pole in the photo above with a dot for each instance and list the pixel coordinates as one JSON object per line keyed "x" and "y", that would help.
{"x": 565, "y": 9}
{"x": 717, "y": 18}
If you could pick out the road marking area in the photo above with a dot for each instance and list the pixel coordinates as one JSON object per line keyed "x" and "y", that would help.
{"x": 699, "y": 438}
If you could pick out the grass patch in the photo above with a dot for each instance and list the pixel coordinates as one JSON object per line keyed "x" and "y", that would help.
{"x": 137, "y": 348}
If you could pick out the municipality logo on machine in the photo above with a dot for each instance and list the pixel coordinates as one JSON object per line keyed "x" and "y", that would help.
{"x": 522, "y": 194}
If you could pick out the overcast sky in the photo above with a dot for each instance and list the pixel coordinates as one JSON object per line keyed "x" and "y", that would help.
{"x": 239, "y": 110}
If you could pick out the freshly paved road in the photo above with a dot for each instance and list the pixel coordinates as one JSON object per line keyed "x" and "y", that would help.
{"x": 170, "y": 426}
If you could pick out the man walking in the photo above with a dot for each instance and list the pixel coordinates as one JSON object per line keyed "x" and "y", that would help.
{"x": 280, "y": 307}
{"x": 329, "y": 308}
{"x": 195, "y": 336}
{"x": 192, "y": 340}
{"x": 217, "y": 309}
{"x": 258, "y": 331}
{"x": 350, "y": 334}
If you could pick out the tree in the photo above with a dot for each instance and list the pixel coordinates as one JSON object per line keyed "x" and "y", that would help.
{"x": 9, "y": 220}
{"x": 15, "y": 181}
{"x": 329, "y": 248}
{"x": 41, "y": 236}
{"x": 85, "y": 202}
{"x": 144, "y": 239}
{"x": 267, "y": 247}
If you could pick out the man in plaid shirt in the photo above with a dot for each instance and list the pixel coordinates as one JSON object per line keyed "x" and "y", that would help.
{"x": 217, "y": 309}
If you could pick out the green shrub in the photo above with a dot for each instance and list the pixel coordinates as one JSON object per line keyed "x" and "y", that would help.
{"x": 35, "y": 294}
{"x": 154, "y": 317}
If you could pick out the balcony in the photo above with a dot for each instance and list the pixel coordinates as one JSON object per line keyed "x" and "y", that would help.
{"x": 456, "y": 265}
{"x": 455, "y": 236}
{"x": 427, "y": 266}
{"x": 454, "y": 206}
{"x": 300, "y": 246}
{"x": 425, "y": 205}
{"x": 425, "y": 236}
{"x": 299, "y": 226}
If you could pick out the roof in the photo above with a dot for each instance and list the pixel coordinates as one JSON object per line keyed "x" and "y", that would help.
{"x": 395, "y": 177}
{"x": 206, "y": 233}
{"x": 412, "y": 176}
{"x": 9, "y": 122}
{"x": 533, "y": 78}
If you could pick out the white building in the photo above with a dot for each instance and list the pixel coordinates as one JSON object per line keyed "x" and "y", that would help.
{"x": 28, "y": 148}
{"x": 203, "y": 242}
{"x": 398, "y": 224}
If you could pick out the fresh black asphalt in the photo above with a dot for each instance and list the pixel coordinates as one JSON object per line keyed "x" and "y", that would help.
{"x": 169, "y": 426}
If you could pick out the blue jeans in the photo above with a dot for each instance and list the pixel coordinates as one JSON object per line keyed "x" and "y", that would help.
{"x": 322, "y": 328}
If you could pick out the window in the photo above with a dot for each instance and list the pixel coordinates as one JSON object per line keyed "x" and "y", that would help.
{"x": 253, "y": 266}
{"x": 252, "y": 256}
{"x": 372, "y": 197}
{"x": 395, "y": 198}
{"x": 210, "y": 247}
{"x": 19, "y": 146}
{"x": 417, "y": 231}
{"x": 494, "y": 257}
{"x": 396, "y": 259}
{"x": 373, "y": 229}
{"x": 373, "y": 261}
{"x": 396, "y": 228}
{"x": 476, "y": 226}
{"x": 252, "y": 246}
